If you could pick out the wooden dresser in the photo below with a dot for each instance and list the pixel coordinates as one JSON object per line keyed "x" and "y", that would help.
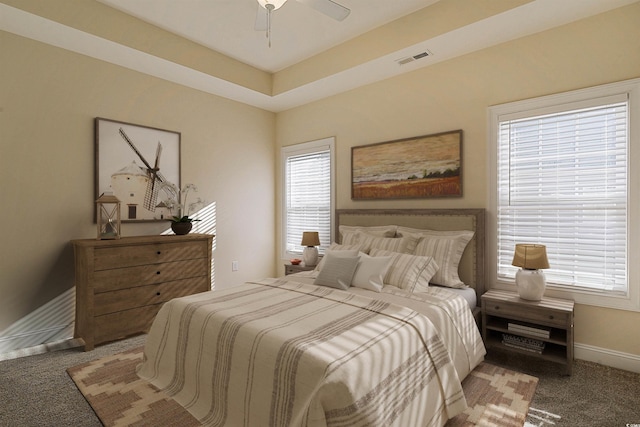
{"x": 121, "y": 284}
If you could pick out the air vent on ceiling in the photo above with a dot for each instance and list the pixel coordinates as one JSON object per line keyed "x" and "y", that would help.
{"x": 413, "y": 58}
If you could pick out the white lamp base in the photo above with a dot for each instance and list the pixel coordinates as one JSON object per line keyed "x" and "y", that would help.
{"x": 530, "y": 284}
{"x": 310, "y": 256}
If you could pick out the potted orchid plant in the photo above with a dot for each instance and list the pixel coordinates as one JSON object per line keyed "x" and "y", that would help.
{"x": 178, "y": 203}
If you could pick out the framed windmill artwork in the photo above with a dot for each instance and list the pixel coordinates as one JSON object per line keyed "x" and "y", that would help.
{"x": 139, "y": 165}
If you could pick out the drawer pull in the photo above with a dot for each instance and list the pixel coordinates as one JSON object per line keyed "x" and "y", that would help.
{"x": 157, "y": 272}
{"x": 159, "y": 252}
{"x": 497, "y": 307}
{"x": 158, "y": 293}
{"x": 551, "y": 317}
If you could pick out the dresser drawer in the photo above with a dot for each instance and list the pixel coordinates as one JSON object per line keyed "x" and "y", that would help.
{"x": 540, "y": 315}
{"x": 126, "y": 299}
{"x": 121, "y": 324}
{"x": 122, "y": 278}
{"x": 118, "y": 257}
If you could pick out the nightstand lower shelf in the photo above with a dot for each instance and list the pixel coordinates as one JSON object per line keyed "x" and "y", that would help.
{"x": 553, "y": 353}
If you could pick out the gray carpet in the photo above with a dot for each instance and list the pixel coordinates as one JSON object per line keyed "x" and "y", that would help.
{"x": 36, "y": 391}
{"x": 595, "y": 395}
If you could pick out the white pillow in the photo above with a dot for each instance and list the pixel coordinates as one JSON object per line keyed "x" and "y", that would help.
{"x": 446, "y": 247}
{"x": 337, "y": 271}
{"x": 370, "y": 272}
{"x": 339, "y": 250}
{"x": 350, "y": 238}
{"x": 376, "y": 230}
{"x": 368, "y": 241}
{"x": 409, "y": 272}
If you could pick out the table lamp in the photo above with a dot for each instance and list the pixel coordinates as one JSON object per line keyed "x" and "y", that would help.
{"x": 530, "y": 279}
{"x": 310, "y": 239}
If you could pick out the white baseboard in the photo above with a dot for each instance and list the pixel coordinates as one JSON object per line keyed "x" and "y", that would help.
{"x": 23, "y": 341}
{"x": 604, "y": 356}
{"x": 42, "y": 348}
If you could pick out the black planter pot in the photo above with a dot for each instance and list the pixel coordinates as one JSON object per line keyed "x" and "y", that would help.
{"x": 181, "y": 228}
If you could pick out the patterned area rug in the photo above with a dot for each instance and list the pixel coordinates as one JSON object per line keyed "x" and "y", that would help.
{"x": 120, "y": 398}
{"x": 496, "y": 396}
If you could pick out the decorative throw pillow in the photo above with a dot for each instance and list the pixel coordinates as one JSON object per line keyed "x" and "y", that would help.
{"x": 376, "y": 230}
{"x": 409, "y": 272}
{"x": 349, "y": 238}
{"x": 337, "y": 271}
{"x": 368, "y": 241}
{"x": 338, "y": 250}
{"x": 370, "y": 272}
{"x": 405, "y": 244}
{"x": 446, "y": 247}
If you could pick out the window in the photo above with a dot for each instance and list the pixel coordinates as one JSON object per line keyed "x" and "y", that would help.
{"x": 562, "y": 177}
{"x": 308, "y": 193}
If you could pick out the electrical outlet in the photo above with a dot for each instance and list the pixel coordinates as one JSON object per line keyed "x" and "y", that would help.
{"x": 234, "y": 265}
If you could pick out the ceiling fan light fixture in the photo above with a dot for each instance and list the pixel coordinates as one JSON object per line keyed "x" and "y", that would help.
{"x": 277, "y": 4}
{"x": 326, "y": 7}
{"x": 270, "y": 6}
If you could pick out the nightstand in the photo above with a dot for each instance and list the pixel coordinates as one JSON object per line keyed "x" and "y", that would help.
{"x": 542, "y": 329}
{"x": 290, "y": 268}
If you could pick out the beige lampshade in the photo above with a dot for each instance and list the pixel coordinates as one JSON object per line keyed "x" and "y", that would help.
{"x": 310, "y": 238}
{"x": 530, "y": 256}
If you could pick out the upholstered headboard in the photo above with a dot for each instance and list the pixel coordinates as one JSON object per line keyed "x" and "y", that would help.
{"x": 471, "y": 268}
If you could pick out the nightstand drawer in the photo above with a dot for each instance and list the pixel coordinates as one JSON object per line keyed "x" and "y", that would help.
{"x": 292, "y": 269}
{"x": 532, "y": 314}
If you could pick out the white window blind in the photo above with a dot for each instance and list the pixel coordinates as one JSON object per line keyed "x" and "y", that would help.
{"x": 308, "y": 196}
{"x": 562, "y": 182}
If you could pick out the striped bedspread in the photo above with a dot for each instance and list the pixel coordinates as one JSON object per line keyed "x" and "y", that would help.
{"x": 280, "y": 353}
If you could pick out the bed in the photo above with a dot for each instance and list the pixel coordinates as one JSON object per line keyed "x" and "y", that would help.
{"x": 309, "y": 349}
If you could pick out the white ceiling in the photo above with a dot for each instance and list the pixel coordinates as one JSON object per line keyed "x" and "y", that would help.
{"x": 298, "y": 31}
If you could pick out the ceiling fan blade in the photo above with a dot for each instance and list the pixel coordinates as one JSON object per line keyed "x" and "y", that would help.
{"x": 261, "y": 19}
{"x": 329, "y": 8}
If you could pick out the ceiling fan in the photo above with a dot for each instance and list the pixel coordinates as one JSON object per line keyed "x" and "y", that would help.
{"x": 327, "y": 7}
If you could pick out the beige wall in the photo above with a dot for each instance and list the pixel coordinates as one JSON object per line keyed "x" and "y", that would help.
{"x": 49, "y": 98}
{"x": 424, "y": 24}
{"x": 455, "y": 95}
{"x": 108, "y": 23}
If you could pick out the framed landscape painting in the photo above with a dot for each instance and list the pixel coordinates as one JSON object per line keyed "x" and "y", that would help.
{"x": 419, "y": 167}
{"x": 140, "y": 165}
